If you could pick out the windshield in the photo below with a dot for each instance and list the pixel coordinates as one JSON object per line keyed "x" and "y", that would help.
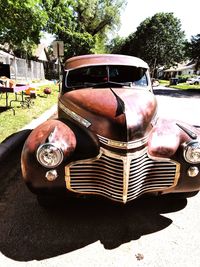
{"x": 99, "y": 75}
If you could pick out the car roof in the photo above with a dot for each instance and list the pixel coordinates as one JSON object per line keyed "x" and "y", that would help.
{"x": 104, "y": 59}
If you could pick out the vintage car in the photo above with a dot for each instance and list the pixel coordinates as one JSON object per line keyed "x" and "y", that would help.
{"x": 108, "y": 139}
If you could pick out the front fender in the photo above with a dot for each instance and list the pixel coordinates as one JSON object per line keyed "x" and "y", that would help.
{"x": 167, "y": 140}
{"x": 70, "y": 139}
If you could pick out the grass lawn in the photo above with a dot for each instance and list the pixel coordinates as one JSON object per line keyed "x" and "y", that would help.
{"x": 181, "y": 86}
{"x": 185, "y": 86}
{"x": 164, "y": 82}
{"x": 10, "y": 123}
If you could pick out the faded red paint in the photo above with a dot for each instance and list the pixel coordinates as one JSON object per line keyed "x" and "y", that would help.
{"x": 166, "y": 137}
{"x": 106, "y": 59}
{"x": 99, "y": 106}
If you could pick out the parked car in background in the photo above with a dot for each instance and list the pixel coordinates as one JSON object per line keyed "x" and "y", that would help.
{"x": 194, "y": 80}
{"x": 107, "y": 139}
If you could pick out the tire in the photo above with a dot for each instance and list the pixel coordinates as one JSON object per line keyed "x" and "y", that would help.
{"x": 196, "y": 83}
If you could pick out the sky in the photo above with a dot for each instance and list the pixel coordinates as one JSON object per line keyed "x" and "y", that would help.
{"x": 137, "y": 11}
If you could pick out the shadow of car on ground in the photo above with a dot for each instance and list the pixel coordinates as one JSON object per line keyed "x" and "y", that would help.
{"x": 30, "y": 232}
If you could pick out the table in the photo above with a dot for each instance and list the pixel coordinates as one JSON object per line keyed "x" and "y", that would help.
{"x": 16, "y": 89}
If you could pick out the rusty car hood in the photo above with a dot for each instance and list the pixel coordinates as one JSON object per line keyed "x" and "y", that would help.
{"x": 122, "y": 114}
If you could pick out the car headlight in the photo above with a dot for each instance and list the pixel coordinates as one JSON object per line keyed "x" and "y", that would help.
{"x": 192, "y": 152}
{"x": 49, "y": 155}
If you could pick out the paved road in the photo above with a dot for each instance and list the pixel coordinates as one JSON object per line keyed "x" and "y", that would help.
{"x": 148, "y": 233}
{"x": 151, "y": 232}
{"x": 176, "y": 104}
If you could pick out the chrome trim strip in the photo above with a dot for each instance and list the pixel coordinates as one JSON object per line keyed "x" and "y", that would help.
{"x": 126, "y": 173}
{"x": 74, "y": 115}
{"x": 123, "y": 145}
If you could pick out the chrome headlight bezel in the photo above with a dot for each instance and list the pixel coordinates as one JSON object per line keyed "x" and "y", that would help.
{"x": 49, "y": 155}
{"x": 191, "y": 152}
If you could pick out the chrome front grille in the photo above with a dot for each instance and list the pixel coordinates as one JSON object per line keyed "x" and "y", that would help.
{"x": 121, "y": 178}
{"x": 149, "y": 175}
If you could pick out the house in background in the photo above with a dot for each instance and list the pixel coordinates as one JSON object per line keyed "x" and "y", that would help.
{"x": 5, "y": 58}
{"x": 181, "y": 69}
{"x": 21, "y": 69}
{"x": 42, "y": 66}
{"x": 43, "y": 55}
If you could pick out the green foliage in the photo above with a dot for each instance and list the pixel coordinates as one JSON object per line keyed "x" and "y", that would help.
{"x": 192, "y": 49}
{"x": 83, "y": 25}
{"x": 158, "y": 40}
{"x": 21, "y": 23}
{"x": 78, "y": 43}
{"x": 183, "y": 78}
{"x": 116, "y": 45}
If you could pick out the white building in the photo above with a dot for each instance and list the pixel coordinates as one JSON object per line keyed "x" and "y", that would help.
{"x": 180, "y": 69}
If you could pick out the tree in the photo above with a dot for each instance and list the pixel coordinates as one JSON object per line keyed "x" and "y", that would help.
{"x": 158, "y": 40}
{"x": 83, "y": 25}
{"x": 21, "y": 23}
{"x": 115, "y": 45}
{"x": 192, "y": 49}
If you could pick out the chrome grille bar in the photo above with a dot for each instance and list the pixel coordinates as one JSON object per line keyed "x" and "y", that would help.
{"x": 150, "y": 175}
{"x": 92, "y": 177}
{"x": 121, "y": 178}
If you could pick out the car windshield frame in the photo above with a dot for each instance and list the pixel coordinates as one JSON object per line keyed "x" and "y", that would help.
{"x": 99, "y": 75}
